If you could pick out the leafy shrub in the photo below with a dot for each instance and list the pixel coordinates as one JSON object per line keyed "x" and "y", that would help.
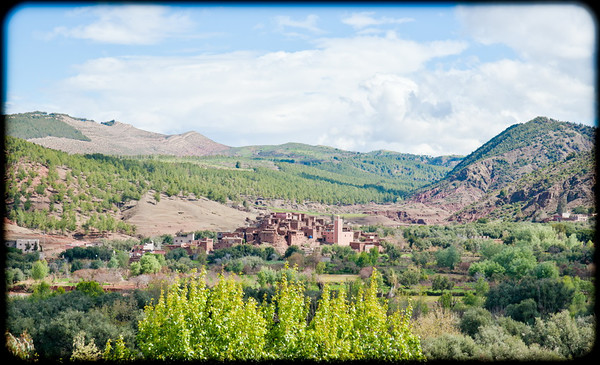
{"x": 473, "y": 319}
{"x": 450, "y": 347}
{"x": 571, "y": 337}
{"x": 525, "y": 311}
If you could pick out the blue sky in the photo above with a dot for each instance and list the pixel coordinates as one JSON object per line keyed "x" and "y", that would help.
{"x": 435, "y": 79}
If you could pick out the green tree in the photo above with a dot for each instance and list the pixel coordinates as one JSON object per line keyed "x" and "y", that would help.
{"x": 91, "y": 288}
{"x": 482, "y": 287}
{"x": 118, "y": 352}
{"x": 331, "y": 328}
{"x": 524, "y": 311}
{"x": 410, "y": 276}
{"x": 149, "y": 264}
{"x": 39, "y": 270}
{"x": 571, "y": 337}
{"x": 289, "y": 304}
{"x": 191, "y": 322}
{"x": 517, "y": 261}
{"x": 448, "y": 257}
{"x": 376, "y": 335}
{"x": 441, "y": 283}
{"x": 473, "y": 319}
{"x": 41, "y": 291}
{"x": 546, "y": 269}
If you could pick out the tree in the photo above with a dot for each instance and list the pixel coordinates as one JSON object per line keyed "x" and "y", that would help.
{"x": 525, "y": 311}
{"x": 291, "y": 250}
{"x": 448, "y": 257}
{"x": 442, "y": 283}
{"x": 83, "y": 351}
{"x": 176, "y": 254}
{"x": 39, "y": 270}
{"x": 410, "y": 276}
{"x": 119, "y": 352}
{"x": 571, "y": 337}
{"x": 517, "y": 261}
{"x": 481, "y": 287}
{"x": 113, "y": 263}
{"x": 22, "y": 347}
{"x": 473, "y": 319}
{"x": 191, "y": 321}
{"x": 546, "y": 269}
{"x": 41, "y": 291}
{"x": 91, "y": 288}
{"x": 149, "y": 264}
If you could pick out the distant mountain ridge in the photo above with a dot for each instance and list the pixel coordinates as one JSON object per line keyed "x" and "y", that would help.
{"x": 110, "y": 138}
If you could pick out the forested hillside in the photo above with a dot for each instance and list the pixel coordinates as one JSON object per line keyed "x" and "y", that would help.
{"x": 52, "y": 190}
{"x": 40, "y": 125}
{"x": 528, "y": 146}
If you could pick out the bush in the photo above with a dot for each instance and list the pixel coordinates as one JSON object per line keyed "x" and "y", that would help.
{"x": 525, "y": 311}
{"x": 497, "y": 345}
{"x": 571, "y": 337}
{"x": 547, "y": 269}
{"x": 39, "y": 270}
{"x": 176, "y": 254}
{"x": 448, "y": 257}
{"x": 91, "y": 288}
{"x": 473, "y": 319}
{"x": 450, "y": 347}
{"x": 149, "y": 264}
{"x": 550, "y": 295}
{"x": 441, "y": 283}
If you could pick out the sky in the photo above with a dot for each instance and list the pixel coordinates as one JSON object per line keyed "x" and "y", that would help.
{"x": 433, "y": 79}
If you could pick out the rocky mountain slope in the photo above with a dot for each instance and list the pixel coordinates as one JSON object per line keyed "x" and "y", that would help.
{"x": 530, "y": 170}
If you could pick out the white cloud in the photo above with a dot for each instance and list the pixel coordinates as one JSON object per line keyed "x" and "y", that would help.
{"x": 365, "y": 19}
{"x": 304, "y": 94}
{"x": 560, "y": 35}
{"x": 362, "y": 93}
{"x": 310, "y": 23}
{"x": 143, "y": 25}
{"x": 537, "y": 31}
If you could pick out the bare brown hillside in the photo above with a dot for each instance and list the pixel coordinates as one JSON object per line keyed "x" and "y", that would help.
{"x": 124, "y": 139}
{"x": 173, "y": 214}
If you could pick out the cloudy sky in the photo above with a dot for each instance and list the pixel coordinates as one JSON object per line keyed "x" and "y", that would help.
{"x": 437, "y": 79}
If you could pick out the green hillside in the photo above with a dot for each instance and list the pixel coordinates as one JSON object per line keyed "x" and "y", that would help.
{"x": 40, "y": 125}
{"x": 540, "y": 132}
{"x": 96, "y": 186}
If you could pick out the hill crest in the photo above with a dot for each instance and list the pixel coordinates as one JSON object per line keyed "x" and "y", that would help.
{"x": 113, "y": 138}
{"x": 517, "y": 167}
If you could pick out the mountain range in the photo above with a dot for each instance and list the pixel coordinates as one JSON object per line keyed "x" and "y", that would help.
{"x": 528, "y": 172}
